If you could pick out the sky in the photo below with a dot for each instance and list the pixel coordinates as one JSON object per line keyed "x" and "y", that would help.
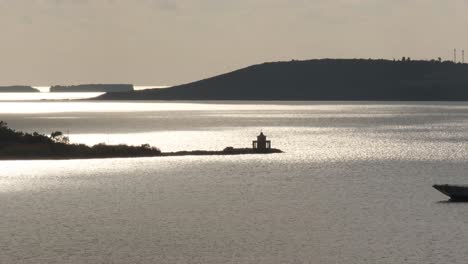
{"x": 168, "y": 42}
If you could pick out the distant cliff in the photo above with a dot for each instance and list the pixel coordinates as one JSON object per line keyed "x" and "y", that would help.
{"x": 327, "y": 79}
{"x": 108, "y": 88}
{"x": 18, "y": 89}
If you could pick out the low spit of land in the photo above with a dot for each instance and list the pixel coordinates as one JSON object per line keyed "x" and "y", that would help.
{"x": 107, "y": 88}
{"x": 17, "y": 145}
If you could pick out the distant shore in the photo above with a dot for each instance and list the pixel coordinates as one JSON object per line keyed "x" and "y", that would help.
{"x": 18, "y": 89}
{"x": 324, "y": 80}
{"x": 109, "y": 88}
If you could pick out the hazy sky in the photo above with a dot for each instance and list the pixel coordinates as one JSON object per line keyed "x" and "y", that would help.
{"x": 150, "y": 42}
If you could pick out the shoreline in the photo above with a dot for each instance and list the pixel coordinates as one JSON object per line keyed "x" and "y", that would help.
{"x": 17, "y": 145}
{"x": 233, "y": 152}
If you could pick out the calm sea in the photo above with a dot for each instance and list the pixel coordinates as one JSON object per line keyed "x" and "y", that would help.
{"x": 354, "y": 185}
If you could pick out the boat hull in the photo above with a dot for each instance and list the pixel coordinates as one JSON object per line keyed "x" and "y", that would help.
{"x": 455, "y": 192}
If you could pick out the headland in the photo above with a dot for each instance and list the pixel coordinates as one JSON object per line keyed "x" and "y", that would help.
{"x": 17, "y": 145}
{"x": 324, "y": 79}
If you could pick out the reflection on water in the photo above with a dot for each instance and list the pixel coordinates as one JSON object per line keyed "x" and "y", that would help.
{"x": 130, "y": 107}
{"x": 354, "y": 186}
{"x": 145, "y": 106}
{"x": 45, "y": 96}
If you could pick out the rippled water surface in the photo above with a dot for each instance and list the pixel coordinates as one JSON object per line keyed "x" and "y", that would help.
{"x": 354, "y": 185}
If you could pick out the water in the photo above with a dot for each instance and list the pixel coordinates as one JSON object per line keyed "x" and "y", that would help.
{"x": 354, "y": 185}
{"x": 45, "y": 96}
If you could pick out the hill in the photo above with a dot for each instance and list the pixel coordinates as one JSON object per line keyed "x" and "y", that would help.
{"x": 108, "y": 88}
{"x": 327, "y": 79}
{"x": 18, "y": 89}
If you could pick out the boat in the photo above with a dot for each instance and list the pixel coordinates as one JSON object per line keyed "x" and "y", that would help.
{"x": 455, "y": 192}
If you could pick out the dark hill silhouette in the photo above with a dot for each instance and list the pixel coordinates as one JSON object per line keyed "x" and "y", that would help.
{"x": 18, "y": 89}
{"x": 327, "y": 79}
{"x": 109, "y": 88}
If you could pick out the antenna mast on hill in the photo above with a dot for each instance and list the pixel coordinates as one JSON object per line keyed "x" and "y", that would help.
{"x": 463, "y": 56}
{"x": 455, "y": 55}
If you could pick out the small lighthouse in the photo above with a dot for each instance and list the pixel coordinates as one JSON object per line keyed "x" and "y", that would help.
{"x": 261, "y": 144}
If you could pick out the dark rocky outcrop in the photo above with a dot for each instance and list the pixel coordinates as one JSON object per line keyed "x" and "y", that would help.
{"x": 17, "y": 145}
